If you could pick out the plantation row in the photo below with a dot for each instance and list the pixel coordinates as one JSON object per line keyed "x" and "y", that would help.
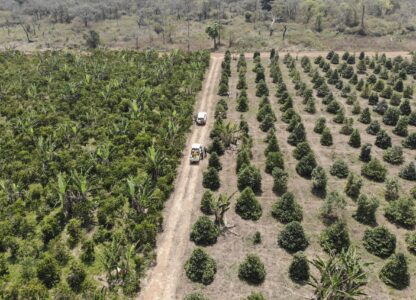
{"x": 335, "y": 239}
{"x": 84, "y": 170}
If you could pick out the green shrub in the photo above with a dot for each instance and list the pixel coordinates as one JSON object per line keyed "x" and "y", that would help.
{"x": 394, "y": 155}
{"x": 410, "y": 141}
{"x": 326, "y": 138}
{"x": 353, "y": 186}
{"x": 74, "y": 231}
{"x": 214, "y": 161}
{"x": 392, "y": 189}
{"x": 252, "y": 270}
{"x": 373, "y": 128}
{"x": 411, "y": 242}
{"x": 387, "y": 92}
{"x": 204, "y": 232}
{"x": 287, "y": 209}
{"x": 255, "y": 296}
{"x": 217, "y": 146}
{"x": 88, "y": 253}
{"x": 383, "y": 140}
{"x": 405, "y": 108}
{"x": 365, "y": 153}
{"x": 355, "y": 139}
{"x": 320, "y": 125}
{"x": 272, "y": 146}
{"x": 292, "y": 238}
{"x": 335, "y": 238}
{"x": 402, "y": 212}
{"x": 47, "y": 271}
{"x": 306, "y": 165}
{"x": 249, "y": 176}
{"x": 247, "y": 206}
{"x": 373, "y": 99}
{"x": 257, "y": 238}
{"x": 262, "y": 89}
{"x": 242, "y": 103}
{"x": 395, "y": 272}
{"x": 207, "y": 202}
{"x": 268, "y": 123}
{"x": 347, "y": 128}
{"x": 299, "y": 268}
{"x": 379, "y": 241}
{"x": 298, "y": 135}
{"x": 365, "y": 116}
{"x": 200, "y": 267}
{"x": 76, "y": 276}
{"x": 374, "y": 170}
{"x": 195, "y": 296}
{"x": 379, "y": 86}
{"x": 332, "y": 207}
{"x": 319, "y": 180}
{"x": 333, "y": 107}
{"x": 211, "y": 179}
{"x": 381, "y": 107}
{"x": 274, "y": 160}
{"x": 339, "y": 169}
{"x": 301, "y": 150}
{"x": 243, "y": 159}
{"x": 366, "y": 210}
{"x": 391, "y": 116}
{"x": 280, "y": 179}
{"x": 408, "y": 172}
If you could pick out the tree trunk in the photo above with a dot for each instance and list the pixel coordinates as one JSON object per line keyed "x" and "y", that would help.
{"x": 362, "y": 29}
{"x": 284, "y": 31}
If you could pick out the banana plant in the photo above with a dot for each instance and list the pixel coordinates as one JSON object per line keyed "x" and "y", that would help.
{"x": 155, "y": 162}
{"x": 140, "y": 195}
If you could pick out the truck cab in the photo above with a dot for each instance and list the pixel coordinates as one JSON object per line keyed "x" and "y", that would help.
{"x": 197, "y": 153}
{"x": 201, "y": 118}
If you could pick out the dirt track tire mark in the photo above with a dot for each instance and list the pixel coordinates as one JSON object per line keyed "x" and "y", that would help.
{"x": 163, "y": 279}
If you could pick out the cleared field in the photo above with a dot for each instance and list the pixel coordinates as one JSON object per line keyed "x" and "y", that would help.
{"x": 298, "y": 75}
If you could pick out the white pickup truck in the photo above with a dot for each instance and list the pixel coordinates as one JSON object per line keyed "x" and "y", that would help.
{"x": 197, "y": 153}
{"x": 201, "y": 118}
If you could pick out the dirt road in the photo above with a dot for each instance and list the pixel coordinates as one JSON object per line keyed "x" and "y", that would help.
{"x": 162, "y": 280}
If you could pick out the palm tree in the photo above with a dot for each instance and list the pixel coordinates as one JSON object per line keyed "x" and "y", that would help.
{"x": 155, "y": 161}
{"x": 342, "y": 276}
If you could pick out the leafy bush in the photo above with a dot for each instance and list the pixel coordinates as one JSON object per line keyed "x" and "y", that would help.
{"x": 319, "y": 180}
{"x": 332, "y": 207}
{"x": 391, "y": 116}
{"x": 274, "y": 160}
{"x": 211, "y": 180}
{"x": 217, "y": 146}
{"x": 394, "y": 155}
{"x": 200, "y": 267}
{"x": 267, "y": 123}
{"x": 379, "y": 241}
{"x": 287, "y": 209}
{"x": 335, "y": 238}
{"x": 410, "y": 141}
{"x": 365, "y": 116}
{"x": 204, "y": 232}
{"x": 320, "y": 125}
{"x": 395, "y": 273}
{"x": 214, "y": 161}
{"x": 306, "y": 165}
{"x": 272, "y": 146}
{"x": 402, "y": 212}
{"x": 48, "y": 272}
{"x": 298, "y": 135}
{"x": 373, "y": 128}
{"x": 301, "y": 150}
{"x": 366, "y": 209}
{"x": 383, "y": 140}
{"x": 355, "y": 139}
{"x": 374, "y": 170}
{"x": 405, "y": 108}
{"x": 326, "y": 138}
{"x": 249, "y": 176}
{"x": 88, "y": 253}
{"x": 262, "y": 89}
{"x": 339, "y": 169}
{"x": 242, "y": 103}
{"x": 408, "y": 172}
{"x": 299, "y": 268}
{"x": 411, "y": 242}
{"x": 353, "y": 186}
{"x": 76, "y": 276}
{"x": 392, "y": 189}
{"x": 280, "y": 179}
{"x": 252, "y": 270}
{"x": 247, "y": 206}
{"x": 243, "y": 159}
{"x": 292, "y": 238}
{"x": 365, "y": 153}
{"x": 195, "y": 296}
{"x": 257, "y": 238}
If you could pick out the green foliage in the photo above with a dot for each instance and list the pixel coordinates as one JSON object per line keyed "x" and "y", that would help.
{"x": 249, "y": 176}
{"x": 252, "y": 270}
{"x": 292, "y": 238}
{"x": 195, "y": 296}
{"x": 319, "y": 180}
{"x": 402, "y": 212}
{"x": 76, "y": 276}
{"x": 395, "y": 272}
{"x": 88, "y": 252}
{"x": 306, "y": 165}
{"x": 257, "y": 238}
{"x": 287, "y": 209}
{"x": 401, "y": 127}
{"x": 280, "y": 179}
{"x": 262, "y": 89}
{"x": 200, "y": 267}
{"x": 320, "y": 125}
{"x": 408, "y": 172}
{"x": 410, "y": 141}
{"x": 247, "y": 206}
{"x": 274, "y": 160}
{"x": 392, "y": 189}
{"x": 366, "y": 209}
{"x": 299, "y": 268}
{"x": 383, "y": 140}
{"x": 332, "y": 207}
{"x": 255, "y": 296}
{"x": 411, "y": 242}
{"x": 214, "y": 161}
{"x": 394, "y": 155}
{"x": 211, "y": 180}
{"x": 207, "y": 202}
{"x": 339, "y": 169}
{"x": 301, "y": 150}
{"x": 374, "y": 170}
{"x": 47, "y": 271}
{"x": 92, "y": 39}
{"x": 298, "y": 135}
{"x": 373, "y": 128}
{"x": 391, "y": 116}
{"x": 204, "y": 232}
{"x": 355, "y": 139}
{"x": 353, "y": 186}
{"x": 379, "y": 241}
{"x": 326, "y": 137}
{"x": 365, "y": 116}
{"x": 335, "y": 238}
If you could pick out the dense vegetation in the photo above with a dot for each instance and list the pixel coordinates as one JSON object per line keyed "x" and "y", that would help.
{"x": 83, "y": 168}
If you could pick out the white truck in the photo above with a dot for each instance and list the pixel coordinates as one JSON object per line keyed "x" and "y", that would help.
{"x": 201, "y": 118}
{"x": 197, "y": 153}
